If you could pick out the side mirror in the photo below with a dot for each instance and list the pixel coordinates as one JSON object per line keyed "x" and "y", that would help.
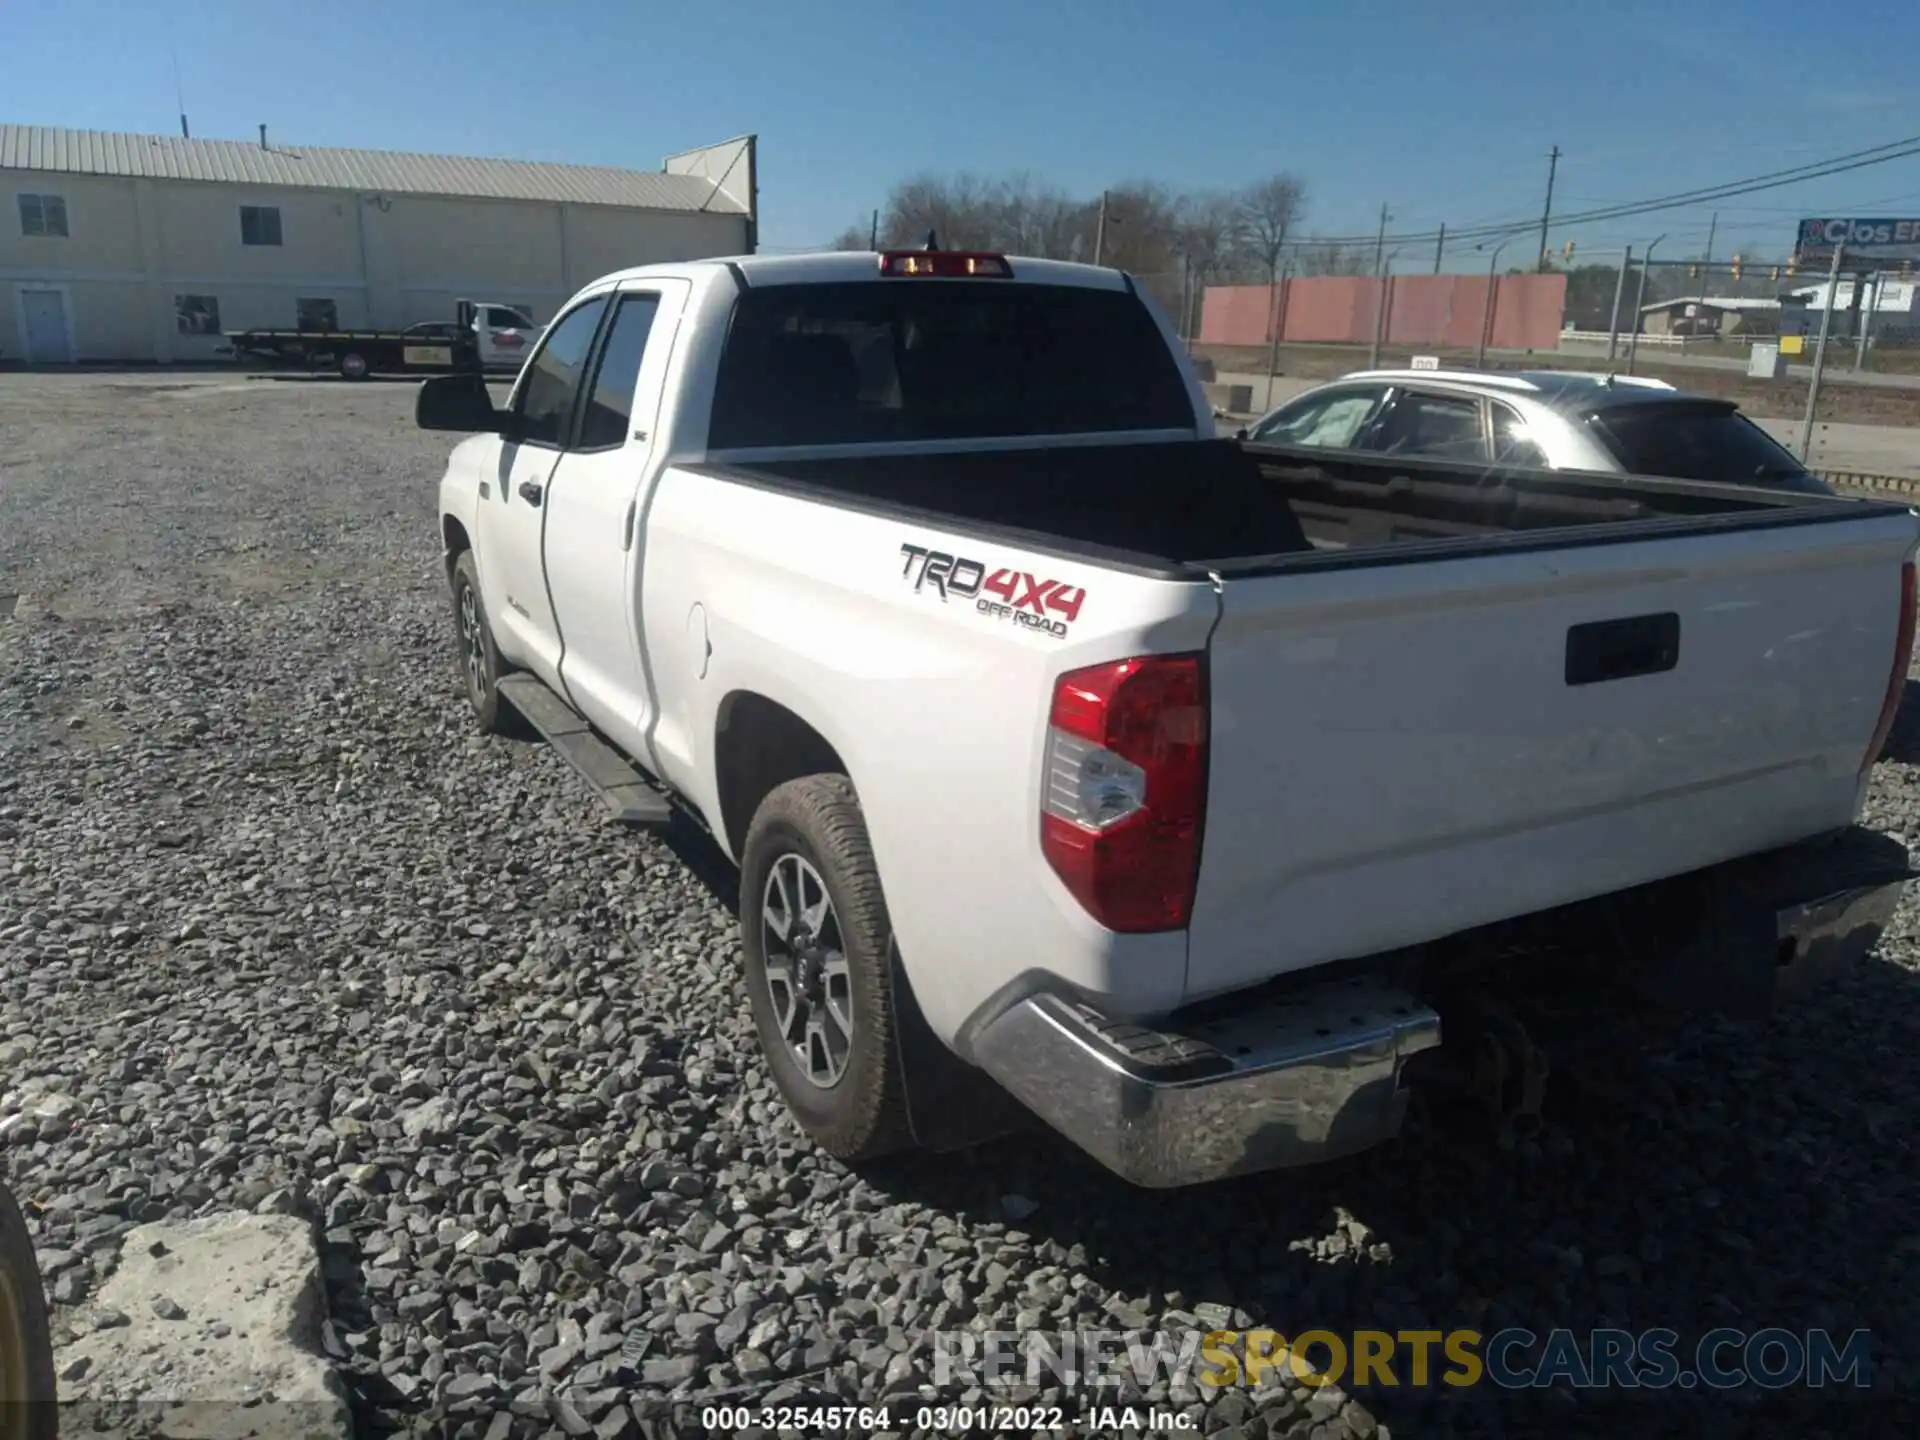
{"x": 459, "y": 403}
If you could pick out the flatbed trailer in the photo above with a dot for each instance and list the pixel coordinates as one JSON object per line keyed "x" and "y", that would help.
{"x": 356, "y": 354}
{"x": 428, "y": 348}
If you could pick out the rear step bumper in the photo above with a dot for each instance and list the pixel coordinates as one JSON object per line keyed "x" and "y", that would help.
{"x": 1315, "y": 1072}
{"x": 1290, "y": 1080}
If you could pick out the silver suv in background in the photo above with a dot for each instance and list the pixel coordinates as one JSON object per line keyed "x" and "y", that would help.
{"x": 1544, "y": 419}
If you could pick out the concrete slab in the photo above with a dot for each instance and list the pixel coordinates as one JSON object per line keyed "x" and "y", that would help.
{"x": 211, "y": 1328}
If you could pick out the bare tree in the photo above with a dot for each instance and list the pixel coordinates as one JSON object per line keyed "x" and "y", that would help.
{"x": 1313, "y": 257}
{"x": 1269, "y": 209}
{"x": 1209, "y": 234}
{"x": 958, "y": 212}
{"x": 851, "y": 238}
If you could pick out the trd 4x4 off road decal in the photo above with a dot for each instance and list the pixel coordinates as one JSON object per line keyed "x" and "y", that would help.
{"x": 1016, "y": 596}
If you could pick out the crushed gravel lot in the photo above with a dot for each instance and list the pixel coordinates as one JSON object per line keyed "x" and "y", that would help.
{"x": 278, "y": 931}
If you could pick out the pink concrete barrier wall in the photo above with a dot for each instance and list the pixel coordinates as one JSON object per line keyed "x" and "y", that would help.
{"x": 1438, "y": 310}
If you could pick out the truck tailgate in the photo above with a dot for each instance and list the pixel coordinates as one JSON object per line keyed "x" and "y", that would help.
{"x": 1401, "y": 751}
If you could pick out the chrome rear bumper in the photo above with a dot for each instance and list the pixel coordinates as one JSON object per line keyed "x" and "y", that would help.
{"x": 1284, "y": 1080}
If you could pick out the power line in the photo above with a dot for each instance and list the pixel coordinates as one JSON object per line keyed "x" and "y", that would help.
{"x": 1771, "y": 180}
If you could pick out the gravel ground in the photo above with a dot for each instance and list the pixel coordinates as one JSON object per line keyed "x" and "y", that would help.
{"x": 277, "y": 931}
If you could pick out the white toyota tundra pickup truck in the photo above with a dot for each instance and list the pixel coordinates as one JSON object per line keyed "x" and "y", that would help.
{"x": 1071, "y": 754}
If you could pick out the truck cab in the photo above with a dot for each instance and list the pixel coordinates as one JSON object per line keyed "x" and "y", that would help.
{"x": 504, "y": 334}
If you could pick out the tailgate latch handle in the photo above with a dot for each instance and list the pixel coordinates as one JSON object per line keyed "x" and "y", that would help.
{"x": 1603, "y": 650}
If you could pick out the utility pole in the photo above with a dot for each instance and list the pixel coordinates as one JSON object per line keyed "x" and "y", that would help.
{"x": 1439, "y": 246}
{"x": 1380, "y": 240}
{"x": 1546, "y": 214}
{"x": 1100, "y": 231}
{"x": 873, "y": 232}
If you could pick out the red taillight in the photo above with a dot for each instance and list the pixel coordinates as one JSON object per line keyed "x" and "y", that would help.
{"x": 507, "y": 339}
{"x": 1126, "y": 789}
{"x": 1897, "y": 681}
{"x": 949, "y": 264}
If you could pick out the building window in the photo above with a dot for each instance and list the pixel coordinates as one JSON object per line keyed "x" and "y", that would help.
{"x": 43, "y": 215}
{"x": 196, "y": 314}
{"x": 316, "y": 314}
{"x": 259, "y": 224}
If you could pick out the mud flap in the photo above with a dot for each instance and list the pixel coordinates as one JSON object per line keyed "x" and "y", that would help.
{"x": 950, "y": 1104}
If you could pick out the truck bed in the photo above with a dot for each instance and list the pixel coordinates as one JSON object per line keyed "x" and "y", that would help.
{"x": 1193, "y": 507}
{"x": 1443, "y": 696}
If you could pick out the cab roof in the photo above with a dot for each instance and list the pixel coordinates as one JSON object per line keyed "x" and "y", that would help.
{"x": 841, "y": 266}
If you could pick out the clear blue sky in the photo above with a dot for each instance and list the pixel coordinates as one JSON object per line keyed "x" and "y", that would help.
{"x": 1445, "y": 112}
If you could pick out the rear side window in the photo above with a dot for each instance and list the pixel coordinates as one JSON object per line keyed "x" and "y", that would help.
{"x": 610, "y": 408}
{"x": 1686, "y": 441}
{"x": 1439, "y": 427}
{"x": 1513, "y": 443}
{"x": 499, "y": 319}
{"x": 552, "y": 381}
{"x": 893, "y": 360}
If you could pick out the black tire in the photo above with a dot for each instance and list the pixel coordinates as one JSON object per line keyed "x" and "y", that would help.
{"x": 862, "y": 1114}
{"x": 353, "y": 366}
{"x": 480, "y": 663}
{"x": 27, "y": 1391}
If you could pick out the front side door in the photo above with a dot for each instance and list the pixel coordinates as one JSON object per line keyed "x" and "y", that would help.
{"x": 1332, "y": 418}
{"x": 513, "y": 508}
{"x": 46, "y": 324}
{"x": 593, "y": 548}
{"x": 504, "y": 336}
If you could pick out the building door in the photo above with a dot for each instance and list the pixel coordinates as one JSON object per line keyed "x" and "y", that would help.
{"x": 46, "y": 320}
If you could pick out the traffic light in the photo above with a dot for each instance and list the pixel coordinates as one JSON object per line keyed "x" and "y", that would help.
{"x": 1567, "y": 253}
{"x": 1792, "y": 260}
{"x": 1736, "y": 266}
{"x": 1775, "y": 274}
{"x": 1693, "y": 272}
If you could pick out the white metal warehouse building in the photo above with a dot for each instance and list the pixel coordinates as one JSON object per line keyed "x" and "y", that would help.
{"x": 145, "y": 247}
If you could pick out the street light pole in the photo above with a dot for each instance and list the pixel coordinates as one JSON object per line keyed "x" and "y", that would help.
{"x": 1820, "y": 353}
{"x": 1486, "y": 314}
{"x": 1619, "y": 289}
{"x": 1379, "y": 290}
{"x": 1277, "y": 318}
{"x": 1639, "y": 300}
{"x": 1383, "y": 316}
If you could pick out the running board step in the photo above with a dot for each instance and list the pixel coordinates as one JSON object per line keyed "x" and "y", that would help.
{"x": 633, "y": 799}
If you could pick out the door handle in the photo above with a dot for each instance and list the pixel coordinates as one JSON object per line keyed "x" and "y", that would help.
{"x": 531, "y": 491}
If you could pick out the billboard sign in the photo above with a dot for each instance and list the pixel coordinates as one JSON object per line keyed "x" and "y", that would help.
{"x": 1871, "y": 242}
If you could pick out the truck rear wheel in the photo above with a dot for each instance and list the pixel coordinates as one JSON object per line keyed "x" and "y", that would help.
{"x": 480, "y": 663}
{"x": 353, "y": 366}
{"x": 814, "y": 927}
{"x": 27, "y": 1390}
